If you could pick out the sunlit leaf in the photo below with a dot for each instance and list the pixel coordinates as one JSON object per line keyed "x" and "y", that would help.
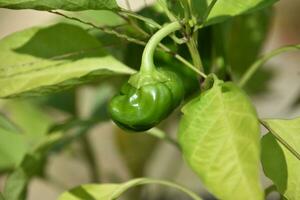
{"x": 219, "y": 135}
{"x": 39, "y": 61}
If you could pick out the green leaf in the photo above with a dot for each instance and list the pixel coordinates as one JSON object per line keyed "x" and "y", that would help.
{"x": 114, "y": 191}
{"x": 281, "y": 166}
{"x": 16, "y": 185}
{"x": 39, "y": 61}
{"x": 286, "y": 133}
{"x": 219, "y": 135}
{"x": 226, "y": 9}
{"x": 274, "y": 162}
{"x": 74, "y": 5}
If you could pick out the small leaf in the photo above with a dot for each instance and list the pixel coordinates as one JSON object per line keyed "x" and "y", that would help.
{"x": 74, "y": 5}
{"x": 38, "y": 61}
{"x": 280, "y": 165}
{"x": 219, "y": 135}
{"x": 226, "y": 9}
{"x": 114, "y": 191}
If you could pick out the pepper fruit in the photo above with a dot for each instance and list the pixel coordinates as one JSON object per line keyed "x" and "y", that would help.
{"x": 151, "y": 94}
{"x": 139, "y": 108}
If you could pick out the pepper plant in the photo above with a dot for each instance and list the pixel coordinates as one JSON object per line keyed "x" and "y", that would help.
{"x": 192, "y": 59}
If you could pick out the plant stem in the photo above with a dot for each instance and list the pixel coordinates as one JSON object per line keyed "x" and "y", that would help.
{"x": 139, "y": 17}
{"x": 195, "y": 54}
{"x": 148, "y": 54}
{"x": 134, "y": 25}
{"x": 105, "y": 29}
{"x": 281, "y": 140}
{"x": 179, "y": 187}
{"x": 183, "y": 60}
{"x": 90, "y": 156}
{"x": 255, "y": 66}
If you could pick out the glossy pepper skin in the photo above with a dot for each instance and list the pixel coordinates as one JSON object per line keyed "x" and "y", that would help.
{"x": 146, "y": 100}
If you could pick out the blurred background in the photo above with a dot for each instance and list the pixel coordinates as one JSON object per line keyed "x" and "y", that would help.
{"x": 69, "y": 168}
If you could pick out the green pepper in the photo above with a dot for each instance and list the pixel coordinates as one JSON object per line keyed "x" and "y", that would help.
{"x": 142, "y": 108}
{"x": 151, "y": 94}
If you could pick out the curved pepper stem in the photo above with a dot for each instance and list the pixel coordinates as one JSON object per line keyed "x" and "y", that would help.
{"x": 148, "y": 54}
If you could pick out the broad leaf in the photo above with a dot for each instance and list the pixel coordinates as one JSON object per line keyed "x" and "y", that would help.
{"x": 219, "y": 135}
{"x": 74, "y": 5}
{"x": 225, "y": 9}
{"x": 16, "y": 184}
{"x": 114, "y": 191}
{"x": 280, "y": 165}
{"x": 44, "y": 60}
